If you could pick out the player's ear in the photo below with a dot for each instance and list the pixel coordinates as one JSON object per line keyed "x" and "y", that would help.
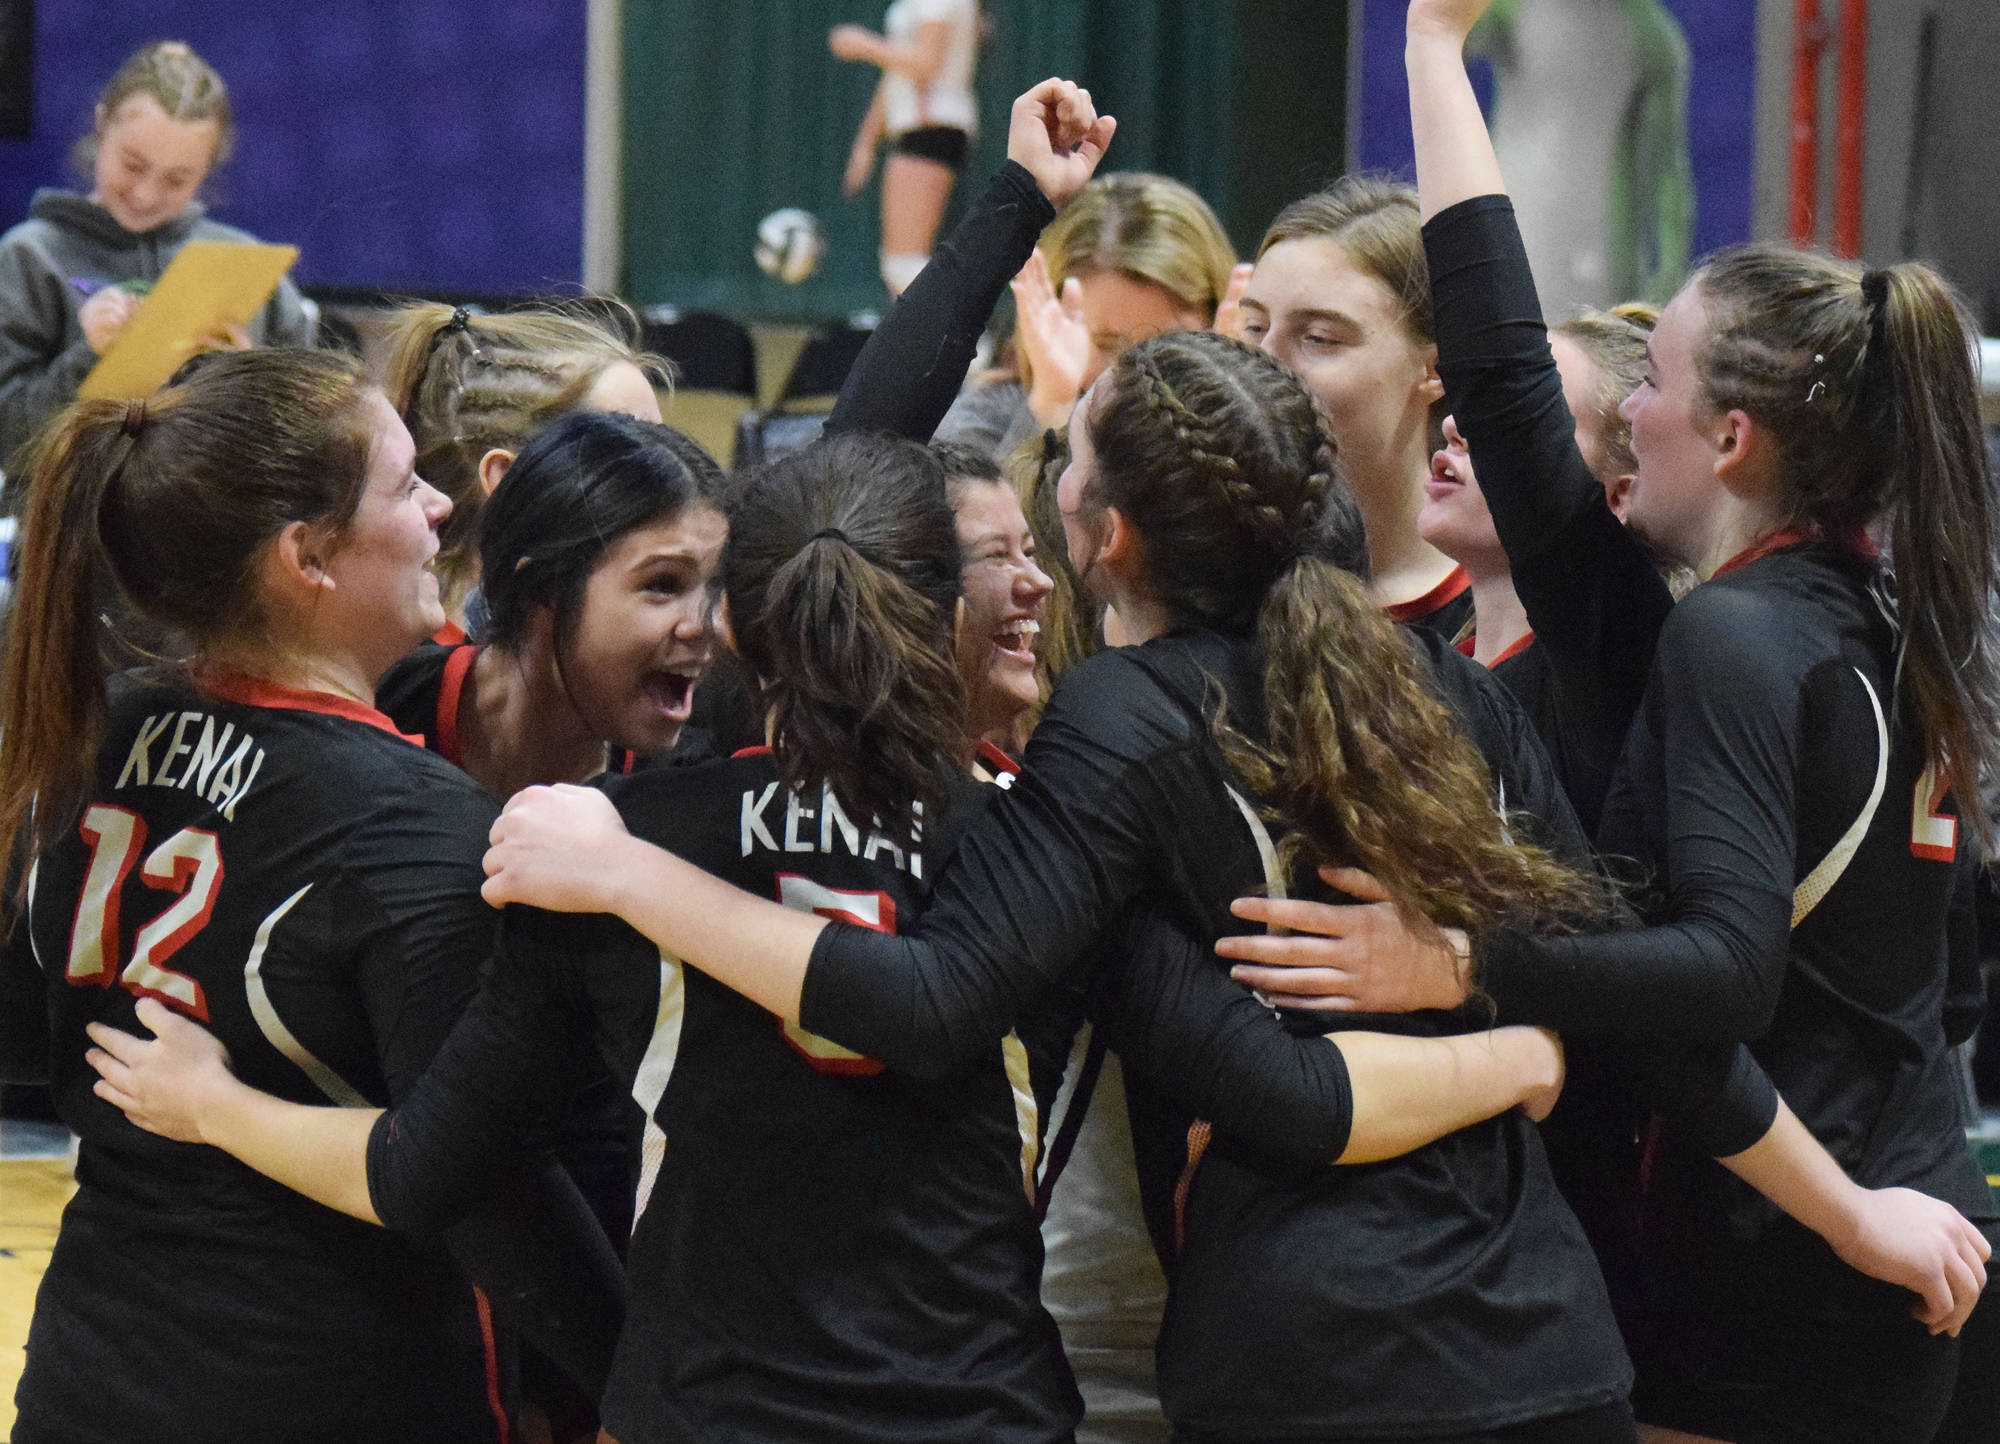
{"x": 299, "y": 555}
{"x": 493, "y": 469}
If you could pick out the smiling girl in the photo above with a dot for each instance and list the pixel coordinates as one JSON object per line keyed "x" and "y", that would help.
{"x": 70, "y": 273}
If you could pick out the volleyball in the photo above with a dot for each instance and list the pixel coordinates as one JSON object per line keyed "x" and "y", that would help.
{"x": 789, "y": 245}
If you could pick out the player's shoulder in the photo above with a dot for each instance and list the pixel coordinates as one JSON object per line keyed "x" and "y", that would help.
{"x": 652, "y": 798}
{"x": 1163, "y": 689}
{"x": 408, "y": 691}
{"x": 1755, "y": 626}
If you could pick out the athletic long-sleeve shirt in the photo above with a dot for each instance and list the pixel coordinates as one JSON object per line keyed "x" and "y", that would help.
{"x": 1447, "y": 1290}
{"x": 286, "y": 869}
{"x": 1755, "y": 752}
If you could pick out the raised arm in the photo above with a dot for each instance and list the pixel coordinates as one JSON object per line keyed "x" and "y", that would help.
{"x": 913, "y": 366}
{"x": 1591, "y": 590}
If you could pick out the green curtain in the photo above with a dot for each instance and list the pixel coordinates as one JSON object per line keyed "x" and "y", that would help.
{"x": 733, "y": 110}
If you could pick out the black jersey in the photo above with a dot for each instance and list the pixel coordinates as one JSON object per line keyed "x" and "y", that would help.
{"x": 1756, "y": 750}
{"x": 827, "y": 1250}
{"x": 286, "y": 869}
{"x": 1591, "y": 589}
{"x": 1444, "y": 611}
{"x": 1446, "y": 1291}
{"x": 423, "y": 693}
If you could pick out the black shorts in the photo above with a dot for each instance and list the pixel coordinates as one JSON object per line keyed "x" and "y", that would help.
{"x": 1787, "y": 1345}
{"x": 1607, "y": 1424}
{"x": 945, "y": 144}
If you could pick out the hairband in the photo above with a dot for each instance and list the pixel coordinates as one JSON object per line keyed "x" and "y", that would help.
{"x": 1875, "y": 288}
{"x": 135, "y": 417}
{"x": 461, "y": 320}
{"x": 832, "y": 533}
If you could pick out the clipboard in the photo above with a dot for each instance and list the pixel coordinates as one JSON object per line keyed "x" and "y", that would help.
{"x": 207, "y": 287}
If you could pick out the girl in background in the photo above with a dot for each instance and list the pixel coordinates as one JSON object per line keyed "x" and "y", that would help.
{"x": 925, "y": 107}
{"x": 1133, "y": 256}
{"x": 473, "y": 388}
{"x": 72, "y": 274}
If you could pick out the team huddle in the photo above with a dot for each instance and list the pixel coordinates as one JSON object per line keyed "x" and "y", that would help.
{"x": 1432, "y": 851}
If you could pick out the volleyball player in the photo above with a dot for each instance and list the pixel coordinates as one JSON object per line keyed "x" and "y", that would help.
{"x": 253, "y": 844}
{"x": 1575, "y": 659}
{"x": 601, "y": 544}
{"x": 1341, "y": 295}
{"x": 1790, "y": 780}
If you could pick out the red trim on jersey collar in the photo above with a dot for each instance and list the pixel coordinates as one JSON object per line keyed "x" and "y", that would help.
{"x": 751, "y": 752}
{"x": 994, "y": 758}
{"x": 451, "y": 689}
{"x": 240, "y": 687}
{"x": 1857, "y": 541}
{"x": 1442, "y": 595}
{"x": 451, "y": 634}
{"x": 1519, "y": 645}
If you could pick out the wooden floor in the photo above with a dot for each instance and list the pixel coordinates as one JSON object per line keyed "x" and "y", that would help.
{"x": 32, "y": 1195}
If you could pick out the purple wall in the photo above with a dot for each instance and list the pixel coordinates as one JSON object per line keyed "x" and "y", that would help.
{"x": 1722, "y": 40}
{"x": 415, "y": 145}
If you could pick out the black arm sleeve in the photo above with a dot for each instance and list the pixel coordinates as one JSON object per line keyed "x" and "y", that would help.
{"x": 1731, "y": 732}
{"x": 1170, "y": 1013}
{"x": 1114, "y": 772}
{"x": 910, "y": 371}
{"x": 1592, "y": 593}
{"x": 528, "y": 1240}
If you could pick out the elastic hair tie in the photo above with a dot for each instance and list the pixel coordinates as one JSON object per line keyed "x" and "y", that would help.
{"x": 832, "y": 533}
{"x": 135, "y": 417}
{"x": 1875, "y": 289}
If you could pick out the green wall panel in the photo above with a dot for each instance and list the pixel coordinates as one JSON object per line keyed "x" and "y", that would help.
{"x": 733, "y": 110}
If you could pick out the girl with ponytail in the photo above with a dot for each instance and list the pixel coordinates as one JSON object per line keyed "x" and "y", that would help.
{"x": 1806, "y": 437}
{"x": 248, "y": 842}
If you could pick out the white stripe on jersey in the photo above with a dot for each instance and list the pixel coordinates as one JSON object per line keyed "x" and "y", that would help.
{"x": 324, "y": 1078}
{"x": 1026, "y": 1116}
{"x": 655, "y": 1068}
{"x": 28, "y": 920}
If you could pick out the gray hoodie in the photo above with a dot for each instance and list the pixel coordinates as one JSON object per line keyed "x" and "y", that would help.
{"x": 68, "y": 249}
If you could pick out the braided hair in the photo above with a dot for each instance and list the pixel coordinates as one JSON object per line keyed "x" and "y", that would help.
{"x": 1220, "y": 460}
{"x": 466, "y": 384}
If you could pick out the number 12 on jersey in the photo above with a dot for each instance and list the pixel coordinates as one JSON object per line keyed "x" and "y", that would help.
{"x": 188, "y": 864}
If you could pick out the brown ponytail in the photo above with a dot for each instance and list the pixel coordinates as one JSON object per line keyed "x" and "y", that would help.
{"x": 173, "y": 499}
{"x": 1869, "y": 384}
{"x": 52, "y": 700}
{"x": 1223, "y": 465}
{"x": 842, "y": 573}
